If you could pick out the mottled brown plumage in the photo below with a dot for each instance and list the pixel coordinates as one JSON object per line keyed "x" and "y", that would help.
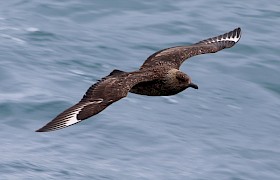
{"x": 158, "y": 76}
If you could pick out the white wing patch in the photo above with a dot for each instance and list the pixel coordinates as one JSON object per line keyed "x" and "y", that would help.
{"x": 234, "y": 36}
{"x": 72, "y": 116}
{"x": 68, "y": 117}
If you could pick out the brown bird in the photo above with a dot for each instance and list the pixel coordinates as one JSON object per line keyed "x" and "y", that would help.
{"x": 158, "y": 76}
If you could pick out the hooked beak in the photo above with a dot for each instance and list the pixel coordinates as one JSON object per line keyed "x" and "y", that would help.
{"x": 192, "y": 85}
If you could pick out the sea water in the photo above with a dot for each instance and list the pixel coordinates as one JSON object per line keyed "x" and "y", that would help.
{"x": 52, "y": 51}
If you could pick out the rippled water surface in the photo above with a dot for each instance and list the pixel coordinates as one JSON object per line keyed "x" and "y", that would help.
{"x": 52, "y": 51}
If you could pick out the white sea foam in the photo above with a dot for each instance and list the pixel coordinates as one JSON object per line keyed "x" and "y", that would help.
{"x": 17, "y": 40}
{"x": 32, "y": 29}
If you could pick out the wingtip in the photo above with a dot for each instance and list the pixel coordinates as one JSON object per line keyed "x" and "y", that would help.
{"x": 238, "y": 30}
{"x": 235, "y": 34}
{"x": 231, "y": 36}
{"x": 40, "y": 130}
{"x": 43, "y": 129}
{"x": 52, "y": 127}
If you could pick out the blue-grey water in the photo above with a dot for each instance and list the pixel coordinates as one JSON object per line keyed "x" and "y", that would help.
{"x": 52, "y": 51}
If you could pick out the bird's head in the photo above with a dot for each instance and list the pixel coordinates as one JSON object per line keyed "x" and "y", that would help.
{"x": 185, "y": 80}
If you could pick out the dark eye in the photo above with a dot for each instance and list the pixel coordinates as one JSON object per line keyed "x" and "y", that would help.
{"x": 182, "y": 78}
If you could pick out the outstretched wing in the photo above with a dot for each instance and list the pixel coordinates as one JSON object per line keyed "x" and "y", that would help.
{"x": 99, "y": 96}
{"x": 175, "y": 56}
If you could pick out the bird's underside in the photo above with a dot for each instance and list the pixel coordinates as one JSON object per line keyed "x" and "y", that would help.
{"x": 158, "y": 76}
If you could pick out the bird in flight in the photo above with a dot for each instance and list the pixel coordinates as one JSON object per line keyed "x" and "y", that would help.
{"x": 158, "y": 76}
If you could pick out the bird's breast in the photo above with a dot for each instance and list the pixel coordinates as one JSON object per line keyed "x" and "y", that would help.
{"x": 156, "y": 88}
